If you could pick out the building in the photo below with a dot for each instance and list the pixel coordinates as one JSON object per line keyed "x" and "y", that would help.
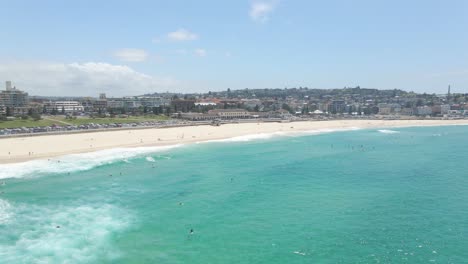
{"x": 12, "y": 97}
{"x": 205, "y": 103}
{"x": 198, "y": 116}
{"x": 153, "y": 101}
{"x": 8, "y": 85}
{"x": 115, "y": 104}
{"x": 66, "y": 107}
{"x": 230, "y": 113}
{"x": 181, "y": 105}
{"x": 387, "y": 109}
{"x": 408, "y": 111}
{"x": 444, "y": 109}
{"x": 251, "y": 103}
{"x": 423, "y": 110}
{"x": 337, "y": 106}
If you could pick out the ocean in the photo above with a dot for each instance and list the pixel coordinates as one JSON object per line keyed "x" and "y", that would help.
{"x": 395, "y": 195}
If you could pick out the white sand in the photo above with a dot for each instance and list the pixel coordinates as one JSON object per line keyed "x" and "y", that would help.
{"x": 39, "y": 147}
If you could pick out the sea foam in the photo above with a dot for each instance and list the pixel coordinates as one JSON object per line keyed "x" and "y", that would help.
{"x": 387, "y": 131}
{"x": 263, "y": 136}
{"x": 150, "y": 159}
{"x": 64, "y": 234}
{"x": 75, "y": 162}
{"x": 5, "y": 212}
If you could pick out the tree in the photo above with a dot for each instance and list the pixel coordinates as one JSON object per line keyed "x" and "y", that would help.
{"x": 8, "y": 111}
{"x": 44, "y": 109}
{"x": 63, "y": 110}
{"x": 36, "y": 117}
{"x": 287, "y": 108}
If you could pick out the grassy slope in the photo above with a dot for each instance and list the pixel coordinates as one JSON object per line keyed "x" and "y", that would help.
{"x": 79, "y": 121}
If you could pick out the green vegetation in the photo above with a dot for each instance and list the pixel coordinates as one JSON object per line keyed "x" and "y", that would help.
{"x": 25, "y": 123}
{"x": 108, "y": 120}
{"x": 61, "y": 121}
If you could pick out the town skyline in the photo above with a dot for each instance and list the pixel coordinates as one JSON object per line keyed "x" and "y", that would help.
{"x": 98, "y": 92}
{"x": 81, "y": 48}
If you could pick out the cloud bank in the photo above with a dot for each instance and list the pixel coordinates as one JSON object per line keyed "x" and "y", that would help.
{"x": 82, "y": 79}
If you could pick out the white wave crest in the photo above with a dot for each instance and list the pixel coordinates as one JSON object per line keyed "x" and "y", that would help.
{"x": 260, "y": 136}
{"x": 246, "y": 137}
{"x": 64, "y": 234}
{"x": 5, "y": 212}
{"x": 387, "y": 131}
{"x": 75, "y": 162}
{"x": 150, "y": 159}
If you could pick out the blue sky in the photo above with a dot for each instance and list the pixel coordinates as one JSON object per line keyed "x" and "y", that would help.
{"x": 133, "y": 47}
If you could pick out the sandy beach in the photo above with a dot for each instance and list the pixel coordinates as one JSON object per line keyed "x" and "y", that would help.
{"x": 20, "y": 149}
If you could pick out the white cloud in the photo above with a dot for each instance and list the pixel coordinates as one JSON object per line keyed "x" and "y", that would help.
{"x": 182, "y": 35}
{"x": 131, "y": 55}
{"x": 260, "y": 10}
{"x": 156, "y": 40}
{"x": 228, "y": 54}
{"x": 200, "y": 52}
{"x": 82, "y": 79}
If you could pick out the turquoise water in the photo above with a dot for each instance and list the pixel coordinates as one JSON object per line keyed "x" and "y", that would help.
{"x": 364, "y": 196}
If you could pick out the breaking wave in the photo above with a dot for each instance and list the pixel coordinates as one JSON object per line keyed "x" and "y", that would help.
{"x": 261, "y": 136}
{"x": 76, "y": 162}
{"x": 64, "y": 234}
{"x": 387, "y": 131}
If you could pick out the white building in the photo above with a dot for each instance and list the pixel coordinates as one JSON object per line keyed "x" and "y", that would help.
{"x": 205, "y": 104}
{"x": 444, "y": 109}
{"x": 424, "y": 110}
{"x": 12, "y": 97}
{"x": 66, "y": 107}
{"x": 230, "y": 113}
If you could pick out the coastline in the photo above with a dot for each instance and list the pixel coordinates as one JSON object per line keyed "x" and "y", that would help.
{"x": 22, "y": 149}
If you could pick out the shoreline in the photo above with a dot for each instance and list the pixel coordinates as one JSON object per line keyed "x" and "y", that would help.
{"x": 23, "y": 149}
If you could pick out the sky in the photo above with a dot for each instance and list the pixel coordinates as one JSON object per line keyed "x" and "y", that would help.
{"x": 86, "y": 47}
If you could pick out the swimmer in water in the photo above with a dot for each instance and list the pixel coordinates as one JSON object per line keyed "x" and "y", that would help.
{"x": 191, "y": 231}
